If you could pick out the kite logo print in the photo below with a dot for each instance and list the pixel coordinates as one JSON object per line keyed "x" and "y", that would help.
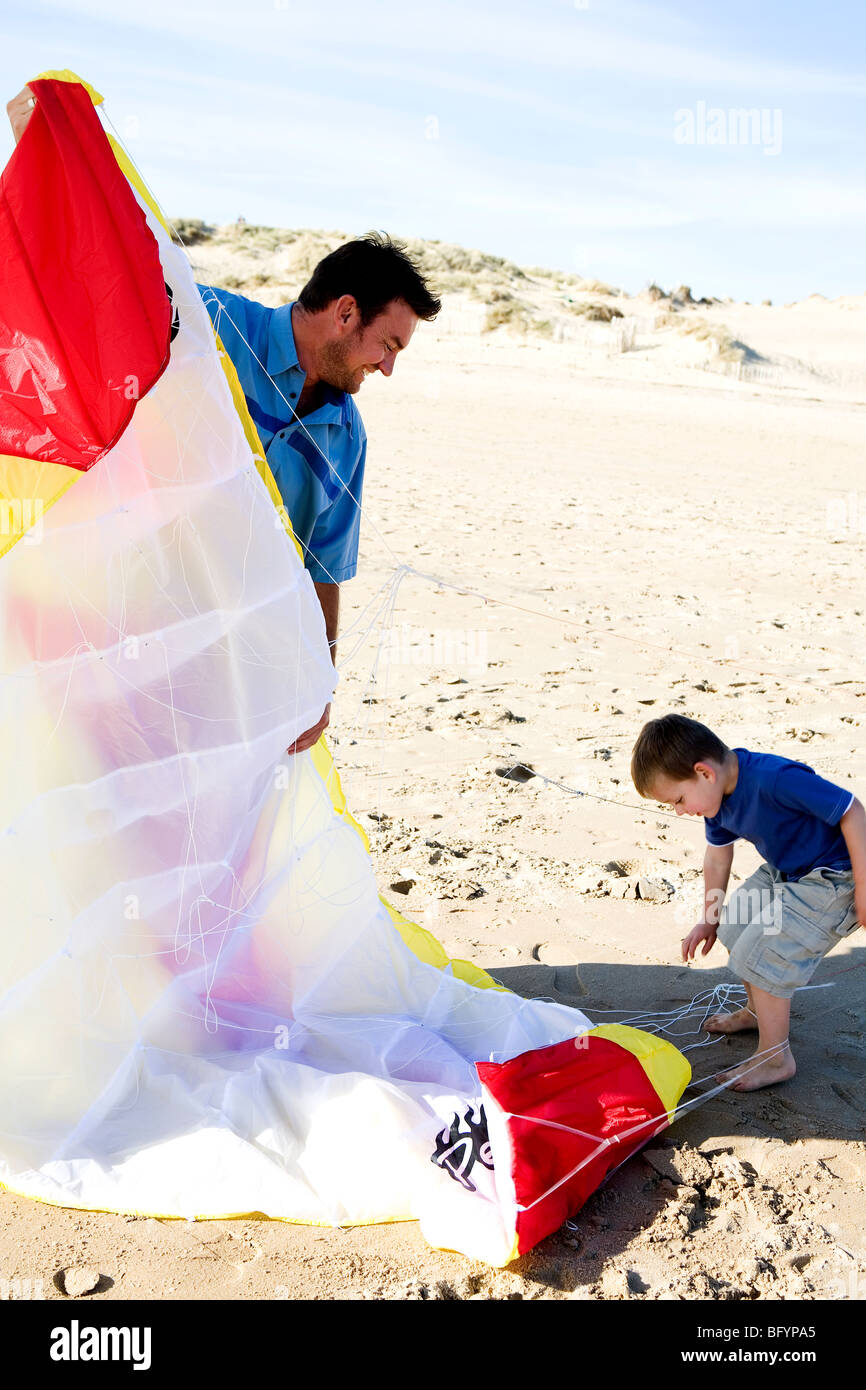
{"x": 458, "y": 1150}
{"x": 175, "y": 322}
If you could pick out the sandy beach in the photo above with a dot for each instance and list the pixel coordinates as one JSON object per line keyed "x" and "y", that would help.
{"x": 581, "y": 510}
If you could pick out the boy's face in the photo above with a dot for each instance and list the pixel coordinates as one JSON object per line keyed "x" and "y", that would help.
{"x": 700, "y": 795}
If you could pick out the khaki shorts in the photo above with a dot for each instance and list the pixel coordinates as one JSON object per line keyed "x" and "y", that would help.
{"x": 777, "y": 932}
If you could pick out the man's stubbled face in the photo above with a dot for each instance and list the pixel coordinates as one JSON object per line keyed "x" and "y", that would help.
{"x": 346, "y": 361}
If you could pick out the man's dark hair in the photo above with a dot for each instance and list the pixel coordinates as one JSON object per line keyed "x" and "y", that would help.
{"x": 671, "y": 746}
{"x": 374, "y": 270}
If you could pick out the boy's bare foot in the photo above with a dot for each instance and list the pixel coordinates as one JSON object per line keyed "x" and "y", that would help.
{"x": 752, "y": 1075}
{"x": 738, "y": 1022}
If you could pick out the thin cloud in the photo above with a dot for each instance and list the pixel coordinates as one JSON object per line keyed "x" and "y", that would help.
{"x": 548, "y": 37}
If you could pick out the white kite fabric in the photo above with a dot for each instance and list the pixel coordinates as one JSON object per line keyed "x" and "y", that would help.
{"x": 205, "y": 1008}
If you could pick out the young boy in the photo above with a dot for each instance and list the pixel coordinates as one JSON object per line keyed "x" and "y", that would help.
{"x": 808, "y": 894}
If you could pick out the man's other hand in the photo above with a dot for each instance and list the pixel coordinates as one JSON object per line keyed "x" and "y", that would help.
{"x": 19, "y": 110}
{"x": 305, "y": 741}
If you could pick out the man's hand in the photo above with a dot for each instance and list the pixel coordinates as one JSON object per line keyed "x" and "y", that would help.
{"x": 329, "y": 598}
{"x": 703, "y": 932}
{"x": 305, "y": 741}
{"x": 19, "y": 110}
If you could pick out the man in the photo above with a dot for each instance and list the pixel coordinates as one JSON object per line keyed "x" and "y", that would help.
{"x": 299, "y": 365}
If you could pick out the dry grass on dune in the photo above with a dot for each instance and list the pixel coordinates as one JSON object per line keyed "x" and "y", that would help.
{"x": 492, "y": 297}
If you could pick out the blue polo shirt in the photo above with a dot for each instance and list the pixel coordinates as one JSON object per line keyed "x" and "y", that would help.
{"x": 317, "y": 460}
{"x": 790, "y": 814}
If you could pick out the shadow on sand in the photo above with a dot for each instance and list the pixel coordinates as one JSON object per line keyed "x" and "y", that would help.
{"x": 824, "y": 1100}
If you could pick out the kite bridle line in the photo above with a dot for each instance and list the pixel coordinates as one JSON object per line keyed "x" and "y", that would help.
{"x": 185, "y": 934}
{"x": 385, "y": 612}
{"x": 665, "y": 1118}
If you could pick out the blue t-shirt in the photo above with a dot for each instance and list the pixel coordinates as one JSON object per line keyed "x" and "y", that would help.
{"x": 790, "y": 814}
{"x": 317, "y": 460}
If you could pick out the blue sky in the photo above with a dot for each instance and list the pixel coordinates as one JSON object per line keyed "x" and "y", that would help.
{"x": 590, "y": 135}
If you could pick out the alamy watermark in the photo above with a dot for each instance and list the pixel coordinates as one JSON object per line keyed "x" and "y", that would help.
{"x": 745, "y": 906}
{"x": 22, "y": 516}
{"x": 466, "y": 649}
{"x": 14, "y": 1290}
{"x": 738, "y": 125}
{"x": 846, "y": 515}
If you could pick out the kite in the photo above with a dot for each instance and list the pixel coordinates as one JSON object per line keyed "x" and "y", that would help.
{"x": 206, "y": 1008}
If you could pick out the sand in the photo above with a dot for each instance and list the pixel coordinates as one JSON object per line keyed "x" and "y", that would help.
{"x": 660, "y": 519}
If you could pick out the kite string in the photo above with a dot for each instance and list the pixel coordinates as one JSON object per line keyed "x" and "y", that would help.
{"x": 666, "y": 1118}
{"x": 587, "y": 628}
{"x": 661, "y": 1021}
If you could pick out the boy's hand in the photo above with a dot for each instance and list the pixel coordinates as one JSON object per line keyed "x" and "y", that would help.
{"x": 702, "y": 932}
{"x": 860, "y": 904}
